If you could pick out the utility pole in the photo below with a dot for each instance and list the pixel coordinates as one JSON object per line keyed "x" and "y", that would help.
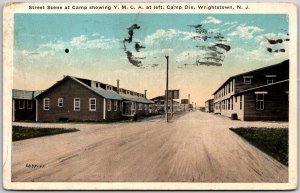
{"x": 167, "y": 89}
{"x": 189, "y": 102}
{"x": 172, "y": 104}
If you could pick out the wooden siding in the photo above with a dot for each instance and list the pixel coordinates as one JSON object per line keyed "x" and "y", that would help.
{"x": 26, "y": 113}
{"x": 112, "y": 114}
{"x": 142, "y": 112}
{"x": 275, "y": 106}
{"x": 68, "y": 90}
{"x": 259, "y": 77}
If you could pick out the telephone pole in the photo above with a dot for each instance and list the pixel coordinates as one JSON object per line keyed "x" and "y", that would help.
{"x": 189, "y": 102}
{"x": 167, "y": 89}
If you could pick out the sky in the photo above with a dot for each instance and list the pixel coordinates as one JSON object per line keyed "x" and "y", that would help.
{"x": 97, "y": 49}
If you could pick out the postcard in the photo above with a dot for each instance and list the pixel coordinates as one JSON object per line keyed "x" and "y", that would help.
{"x": 150, "y": 96}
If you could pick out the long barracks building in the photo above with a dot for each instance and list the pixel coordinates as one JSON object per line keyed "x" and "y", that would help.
{"x": 260, "y": 94}
{"x": 78, "y": 99}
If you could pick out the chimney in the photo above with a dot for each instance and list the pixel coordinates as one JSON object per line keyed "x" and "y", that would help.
{"x": 118, "y": 86}
{"x": 145, "y": 95}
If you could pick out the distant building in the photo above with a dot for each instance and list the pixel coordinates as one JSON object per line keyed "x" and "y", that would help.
{"x": 191, "y": 107}
{"x": 24, "y": 107}
{"x": 159, "y": 106}
{"x": 260, "y": 94}
{"x": 202, "y": 109}
{"x": 209, "y": 106}
{"x": 78, "y": 99}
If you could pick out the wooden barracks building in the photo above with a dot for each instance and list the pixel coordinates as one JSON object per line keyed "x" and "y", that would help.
{"x": 260, "y": 94}
{"x": 23, "y": 107}
{"x": 78, "y": 99}
{"x": 209, "y": 106}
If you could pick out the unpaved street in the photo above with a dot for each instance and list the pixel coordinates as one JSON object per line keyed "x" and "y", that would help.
{"x": 194, "y": 147}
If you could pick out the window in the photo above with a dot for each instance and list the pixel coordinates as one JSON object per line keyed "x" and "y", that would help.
{"x": 21, "y": 104}
{"x": 29, "y": 104}
{"x": 140, "y": 106}
{"x": 46, "y": 104}
{"x": 146, "y": 107}
{"x": 116, "y": 105}
{"x": 231, "y": 103}
{"x": 241, "y": 102}
{"x": 76, "y": 104}
{"x": 133, "y": 106}
{"x": 60, "y": 102}
{"x": 260, "y": 101}
{"x": 108, "y": 87}
{"x": 108, "y": 105}
{"x": 92, "y": 104}
{"x": 270, "y": 80}
{"x": 228, "y": 102}
{"x": 97, "y": 84}
{"x": 247, "y": 79}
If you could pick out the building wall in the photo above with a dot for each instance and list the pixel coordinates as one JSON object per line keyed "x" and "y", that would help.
{"x": 68, "y": 90}
{"x": 159, "y": 106}
{"x": 221, "y": 97}
{"x": 259, "y": 77}
{"x": 113, "y": 114}
{"x": 236, "y": 84}
{"x": 238, "y": 106}
{"x": 275, "y": 106}
{"x": 26, "y": 113}
{"x": 144, "y": 111}
{"x": 206, "y": 106}
{"x": 209, "y": 106}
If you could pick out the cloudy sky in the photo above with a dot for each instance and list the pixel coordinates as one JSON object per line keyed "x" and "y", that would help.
{"x": 97, "y": 49}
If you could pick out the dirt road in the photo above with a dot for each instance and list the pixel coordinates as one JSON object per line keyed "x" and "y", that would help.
{"x": 195, "y": 147}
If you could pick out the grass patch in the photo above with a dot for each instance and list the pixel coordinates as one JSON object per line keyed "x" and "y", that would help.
{"x": 21, "y": 133}
{"x": 272, "y": 141}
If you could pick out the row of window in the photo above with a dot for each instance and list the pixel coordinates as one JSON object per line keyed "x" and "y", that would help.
{"x": 270, "y": 79}
{"x": 228, "y": 104}
{"x": 111, "y": 88}
{"x": 92, "y": 104}
{"x": 60, "y": 103}
{"x": 228, "y": 88}
{"x": 25, "y": 104}
{"x": 109, "y": 105}
{"x": 247, "y": 80}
